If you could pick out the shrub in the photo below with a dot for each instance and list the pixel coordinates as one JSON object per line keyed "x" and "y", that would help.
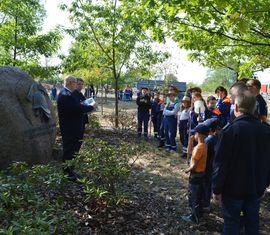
{"x": 31, "y": 201}
{"x": 93, "y": 121}
{"x": 127, "y": 120}
{"x": 103, "y": 167}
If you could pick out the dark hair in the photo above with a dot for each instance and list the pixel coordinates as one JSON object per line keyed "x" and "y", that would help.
{"x": 244, "y": 80}
{"x": 215, "y": 126}
{"x": 80, "y": 80}
{"x": 256, "y": 83}
{"x": 211, "y": 98}
{"x": 222, "y": 89}
{"x": 197, "y": 94}
{"x": 194, "y": 89}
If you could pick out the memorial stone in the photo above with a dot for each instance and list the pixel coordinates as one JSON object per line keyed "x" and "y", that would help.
{"x": 27, "y": 119}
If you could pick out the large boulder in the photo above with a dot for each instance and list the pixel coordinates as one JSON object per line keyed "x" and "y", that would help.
{"x": 27, "y": 119}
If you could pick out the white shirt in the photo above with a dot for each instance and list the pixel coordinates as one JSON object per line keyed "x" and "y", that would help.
{"x": 184, "y": 115}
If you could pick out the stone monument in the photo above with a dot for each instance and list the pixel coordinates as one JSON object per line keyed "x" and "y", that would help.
{"x": 27, "y": 119}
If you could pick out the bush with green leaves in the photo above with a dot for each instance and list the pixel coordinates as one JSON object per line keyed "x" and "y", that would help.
{"x": 103, "y": 166}
{"x": 93, "y": 122}
{"x": 31, "y": 201}
{"x": 127, "y": 120}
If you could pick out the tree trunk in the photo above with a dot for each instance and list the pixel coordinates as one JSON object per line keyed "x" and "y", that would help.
{"x": 116, "y": 98}
{"x": 15, "y": 42}
{"x": 114, "y": 68}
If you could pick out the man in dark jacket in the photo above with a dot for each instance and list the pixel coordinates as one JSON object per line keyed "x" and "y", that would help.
{"x": 242, "y": 167}
{"x": 79, "y": 95}
{"x": 71, "y": 120}
{"x": 254, "y": 86}
{"x": 144, "y": 105}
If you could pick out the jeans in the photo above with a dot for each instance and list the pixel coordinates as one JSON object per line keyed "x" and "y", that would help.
{"x": 207, "y": 191}
{"x": 143, "y": 118}
{"x": 195, "y": 194}
{"x": 170, "y": 128}
{"x": 155, "y": 124}
{"x": 183, "y": 132}
{"x": 231, "y": 212}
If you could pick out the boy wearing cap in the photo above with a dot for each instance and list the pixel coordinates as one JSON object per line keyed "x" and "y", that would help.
{"x": 197, "y": 172}
{"x": 214, "y": 126}
{"x": 183, "y": 124}
{"x": 223, "y": 104}
{"x": 144, "y": 105}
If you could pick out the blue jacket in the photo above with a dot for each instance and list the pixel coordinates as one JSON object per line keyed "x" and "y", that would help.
{"x": 155, "y": 108}
{"x": 71, "y": 113}
{"x": 224, "y": 106}
{"x": 144, "y": 103}
{"x": 241, "y": 168}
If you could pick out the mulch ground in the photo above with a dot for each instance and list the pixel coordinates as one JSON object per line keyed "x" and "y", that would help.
{"x": 157, "y": 189}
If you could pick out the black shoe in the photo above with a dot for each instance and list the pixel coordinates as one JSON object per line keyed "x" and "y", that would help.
{"x": 190, "y": 218}
{"x": 161, "y": 144}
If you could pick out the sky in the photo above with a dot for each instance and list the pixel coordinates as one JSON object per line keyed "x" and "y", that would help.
{"x": 186, "y": 71}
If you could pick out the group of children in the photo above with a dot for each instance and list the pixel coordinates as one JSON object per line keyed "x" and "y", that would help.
{"x": 198, "y": 124}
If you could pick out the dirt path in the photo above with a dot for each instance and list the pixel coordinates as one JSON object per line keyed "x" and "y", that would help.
{"x": 158, "y": 197}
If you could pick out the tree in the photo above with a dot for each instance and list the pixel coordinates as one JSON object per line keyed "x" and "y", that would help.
{"x": 113, "y": 32}
{"x": 21, "y": 44}
{"x": 218, "y": 77}
{"x": 233, "y": 34}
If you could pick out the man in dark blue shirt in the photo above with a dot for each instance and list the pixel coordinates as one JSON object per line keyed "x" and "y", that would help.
{"x": 241, "y": 170}
{"x": 71, "y": 120}
{"x": 254, "y": 86}
{"x": 79, "y": 95}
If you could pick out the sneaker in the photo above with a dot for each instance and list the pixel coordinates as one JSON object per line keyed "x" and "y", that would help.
{"x": 190, "y": 218}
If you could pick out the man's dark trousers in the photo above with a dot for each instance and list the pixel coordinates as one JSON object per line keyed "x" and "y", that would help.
{"x": 231, "y": 212}
{"x": 143, "y": 119}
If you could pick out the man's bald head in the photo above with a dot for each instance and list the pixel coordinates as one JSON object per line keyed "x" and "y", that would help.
{"x": 71, "y": 82}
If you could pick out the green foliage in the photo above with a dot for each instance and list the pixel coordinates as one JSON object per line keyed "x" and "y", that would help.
{"x": 232, "y": 34}
{"x": 108, "y": 36}
{"x": 93, "y": 122}
{"x": 31, "y": 201}
{"x": 103, "y": 167}
{"x": 218, "y": 77}
{"x": 21, "y": 43}
{"x": 127, "y": 120}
